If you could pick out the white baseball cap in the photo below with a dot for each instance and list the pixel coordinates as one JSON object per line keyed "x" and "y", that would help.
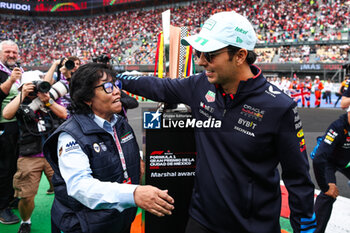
{"x": 30, "y": 76}
{"x": 223, "y": 29}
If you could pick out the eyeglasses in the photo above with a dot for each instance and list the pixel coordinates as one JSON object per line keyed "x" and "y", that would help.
{"x": 109, "y": 86}
{"x": 209, "y": 55}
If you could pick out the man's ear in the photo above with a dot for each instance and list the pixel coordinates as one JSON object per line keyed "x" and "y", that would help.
{"x": 241, "y": 56}
{"x": 89, "y": 103}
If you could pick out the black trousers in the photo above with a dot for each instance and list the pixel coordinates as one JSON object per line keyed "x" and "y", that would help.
{"x": 324, "y": 206}
{"x": 55, "y": 229}
{"x": 336, "y": 102}
{"x": 8, "y": 161}
{"x": 323, "y": 210}
{"x": 194, "y": 226}
{"x": 328, "y": 97}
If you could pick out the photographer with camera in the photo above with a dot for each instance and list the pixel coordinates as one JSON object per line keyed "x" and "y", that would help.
{"x": 35, "y": 126}
{"x": 104, "y": 58}
{"x": 10, "y": 74}
{"x": 64, "y": 70}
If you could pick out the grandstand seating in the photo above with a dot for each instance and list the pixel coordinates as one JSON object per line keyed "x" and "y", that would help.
{"x": 131, "y": 36}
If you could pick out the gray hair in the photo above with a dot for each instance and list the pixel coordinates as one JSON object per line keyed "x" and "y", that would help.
{"x": 7, "y": 42}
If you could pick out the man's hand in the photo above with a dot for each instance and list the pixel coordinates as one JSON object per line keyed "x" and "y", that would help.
{"x": 349, "y": 118}
{"x": 332, "y": 191}
{"x": 16, "y": 74}
{"x": 26, "y": 89}
{"x": 67, "y": 73}
{"x": 44, "y": 97}
{"x": 56, "y": 62}
{"x": 154, "y": 200}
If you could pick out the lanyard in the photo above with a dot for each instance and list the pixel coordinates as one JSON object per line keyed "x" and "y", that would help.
{"x": 122, "y": 158}
{"x": 4, "y": 68}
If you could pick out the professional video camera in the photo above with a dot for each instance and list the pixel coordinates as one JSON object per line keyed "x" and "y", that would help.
{"x": 103, "y": 58}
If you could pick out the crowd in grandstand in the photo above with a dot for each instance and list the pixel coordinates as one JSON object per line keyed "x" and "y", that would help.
{"x": 130, "y": 37}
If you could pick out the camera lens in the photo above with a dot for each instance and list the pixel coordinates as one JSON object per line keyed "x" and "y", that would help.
{"x": 69, "y": 64}
{"x": 43, "y": 86}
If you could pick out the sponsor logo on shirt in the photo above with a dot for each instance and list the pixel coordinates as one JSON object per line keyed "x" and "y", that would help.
{"x": 346, "y": 144}
{"x": 300, "y": 133}
{"x": 244, "y": 131}
{"x": 330, "y": 136}
{"x": 271, "y": 92}
{"x": 73, "y": 145}
{"x": 206, "y": 114}
{"x": 297, "y": 120}
{"x": 127, "y": 137}
{"x": 252, "y": 112}
{"x": 298, "y": 125}
{"x": 210, "y": 96}
{"x": 246, "y": 123}
{"x": 295, "y": 109}
{"x": 206, "y": 107}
